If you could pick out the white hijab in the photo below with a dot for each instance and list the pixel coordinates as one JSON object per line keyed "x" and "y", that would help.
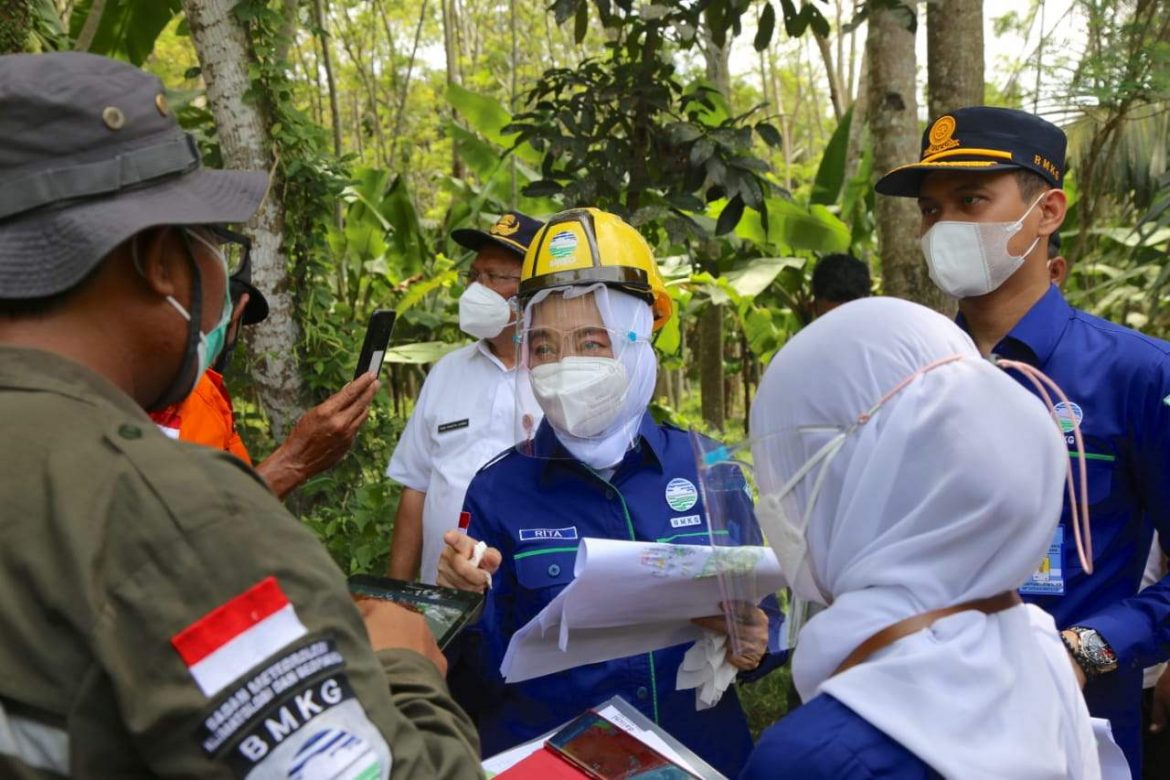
{"x": 951, "y": 492}
{"x": 624, "y": 313}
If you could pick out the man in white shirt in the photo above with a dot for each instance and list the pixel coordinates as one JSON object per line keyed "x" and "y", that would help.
{"x": 466, "y": 412}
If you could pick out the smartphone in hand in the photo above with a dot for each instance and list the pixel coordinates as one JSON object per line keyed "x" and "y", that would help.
{"x": 375, "y": 343}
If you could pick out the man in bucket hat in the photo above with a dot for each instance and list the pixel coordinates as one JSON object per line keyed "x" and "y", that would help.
{"x": 163, "y": 615}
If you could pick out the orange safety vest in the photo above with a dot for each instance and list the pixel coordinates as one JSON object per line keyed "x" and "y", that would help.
{"x": 205, "y": 417}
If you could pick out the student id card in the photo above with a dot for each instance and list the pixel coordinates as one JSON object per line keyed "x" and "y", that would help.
{"x": 1048, "y": 579}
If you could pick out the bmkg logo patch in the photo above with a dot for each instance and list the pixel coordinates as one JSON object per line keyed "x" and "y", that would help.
{"x": 1069, "y": 415}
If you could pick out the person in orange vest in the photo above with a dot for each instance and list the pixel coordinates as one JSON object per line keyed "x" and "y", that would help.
{"x": 319, "y": 440}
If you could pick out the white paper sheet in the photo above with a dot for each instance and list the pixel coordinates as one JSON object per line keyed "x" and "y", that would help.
{"x": 1113, "y": 763}
{"x": 628, "y": 598}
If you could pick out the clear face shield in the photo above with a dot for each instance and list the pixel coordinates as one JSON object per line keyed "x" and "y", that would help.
{"x": 778, "y": 519}
{"x": 576, "y": 363}
{"x": 727, "y": 489}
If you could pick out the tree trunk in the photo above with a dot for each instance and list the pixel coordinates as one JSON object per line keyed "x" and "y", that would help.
{"x": 954, "y": 54}
{"x": 321, "y": 15}
{"x": 90, "y": 28}
{"x": 858, "y": 122}
{"x": 711, "y": 365}
{"x": 451, "y": 49}
{"x": 320, "y": 11}
{"x": 893, "y": 120}
{"x": 831, "y": 76}
{"x": 718, "y": 66}
{"x": 243, "y": 132}
{"x": 711, "y": 384}
{"x": 288, "y": 28}
{"x": 405, "y": 90}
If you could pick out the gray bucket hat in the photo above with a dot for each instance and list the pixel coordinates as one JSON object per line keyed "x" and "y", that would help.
{"x": 90, "y": 155}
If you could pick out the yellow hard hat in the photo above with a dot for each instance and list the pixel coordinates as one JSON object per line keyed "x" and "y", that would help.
{"x": 590, "y": 246}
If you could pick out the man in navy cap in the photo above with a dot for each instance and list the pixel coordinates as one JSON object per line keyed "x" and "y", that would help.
{"x": 989, "y": 187}
{"x": 466, "y": 411}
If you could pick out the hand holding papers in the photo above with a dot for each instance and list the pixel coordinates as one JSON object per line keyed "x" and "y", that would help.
{"x": 628, "y": 598}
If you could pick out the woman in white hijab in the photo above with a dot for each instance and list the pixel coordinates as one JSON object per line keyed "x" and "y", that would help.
{"x": 911, "y": 487}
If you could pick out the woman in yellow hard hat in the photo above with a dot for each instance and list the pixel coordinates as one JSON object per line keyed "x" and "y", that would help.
{"x": 597, "y": 466}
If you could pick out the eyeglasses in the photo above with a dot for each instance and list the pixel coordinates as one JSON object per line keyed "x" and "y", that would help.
{"x": 235, "y": 248}
{"x": 471, "y": 277}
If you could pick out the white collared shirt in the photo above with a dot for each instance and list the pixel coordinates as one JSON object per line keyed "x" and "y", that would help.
{"x": 465, "y": 416}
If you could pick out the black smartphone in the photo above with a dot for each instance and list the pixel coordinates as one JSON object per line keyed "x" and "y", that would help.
{"x": 375, "y": 343}
{"x": 446, "y": 610}
{"x": 604, "y": 751}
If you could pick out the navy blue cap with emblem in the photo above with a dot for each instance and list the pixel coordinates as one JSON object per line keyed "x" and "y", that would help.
{"x": 513, "y": 231}
{"x": 985, "y": 139}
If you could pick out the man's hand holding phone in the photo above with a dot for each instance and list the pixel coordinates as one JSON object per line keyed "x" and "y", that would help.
{"x": 321, "y": 437}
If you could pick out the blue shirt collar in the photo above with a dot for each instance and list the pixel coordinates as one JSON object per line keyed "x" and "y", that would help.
{"x": 650, "y": 444}
{"x": 1035, "y": 336}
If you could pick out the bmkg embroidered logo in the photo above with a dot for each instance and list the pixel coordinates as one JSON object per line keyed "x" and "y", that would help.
{"x": 563, "y": 248}
{"x": 506, "y": 226}
{"x": 1069, "y": 415}
{"x": 941, "y": 135}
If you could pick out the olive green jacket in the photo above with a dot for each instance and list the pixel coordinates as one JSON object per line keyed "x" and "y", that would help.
{"x": 161, "y": 614}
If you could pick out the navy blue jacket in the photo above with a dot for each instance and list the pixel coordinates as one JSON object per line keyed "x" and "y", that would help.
{"x": 825, "y": 740}
{"x": 535, "y": 511}
{"x": 1119, "y": 383}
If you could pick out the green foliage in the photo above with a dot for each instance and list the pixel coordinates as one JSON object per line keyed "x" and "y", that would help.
{"x": 15, "y": 27}
{"x": 765, "y": 700}
{"x": 831, "y": 174}
{"x": 624, "y": 132}
{"x": 127, "y": 29}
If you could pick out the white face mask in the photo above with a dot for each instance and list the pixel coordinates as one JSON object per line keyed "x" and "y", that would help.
{"x": 788, "y": 535}
{"x": 483, "y": 313}
{"x": 967, "y": 259}
{"x": 581, "y": 396}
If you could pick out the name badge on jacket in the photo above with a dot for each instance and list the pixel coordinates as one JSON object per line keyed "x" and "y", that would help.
{"x": 1048, "y": 579}
{"x": 455, "y": 425}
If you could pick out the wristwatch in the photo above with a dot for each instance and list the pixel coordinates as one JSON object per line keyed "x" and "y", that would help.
{"x": 1090, "y": 650}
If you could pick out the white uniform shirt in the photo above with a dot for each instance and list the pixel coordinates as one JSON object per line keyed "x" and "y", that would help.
{"x": 465, "y": 416}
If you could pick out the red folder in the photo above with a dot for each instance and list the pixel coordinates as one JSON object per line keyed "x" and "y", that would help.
{"x": 544, "y": 764}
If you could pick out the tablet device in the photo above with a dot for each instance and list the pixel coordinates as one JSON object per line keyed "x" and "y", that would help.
{"x": 446, "y": 610}
{"x": 375, "y": 343}
{"x": 604, "y": 751}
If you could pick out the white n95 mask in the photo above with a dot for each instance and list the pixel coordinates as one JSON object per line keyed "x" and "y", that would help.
{"x": 483, "y": 313}
{"x": 581, "y": 396}
{"x": 967, "y": 259}
{"x": 787, "y": 531}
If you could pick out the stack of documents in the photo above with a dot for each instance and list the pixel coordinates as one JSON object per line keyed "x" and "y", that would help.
{"x": 633, "y": 597}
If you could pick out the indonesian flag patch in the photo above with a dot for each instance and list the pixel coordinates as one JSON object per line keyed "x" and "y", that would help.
{"x": 235, "y": 636}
